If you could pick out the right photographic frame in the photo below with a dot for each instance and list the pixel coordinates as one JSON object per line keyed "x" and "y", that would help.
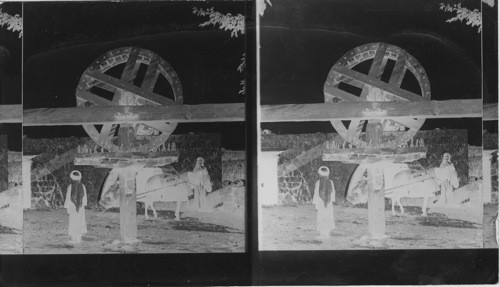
{"x": 371, "y": 129}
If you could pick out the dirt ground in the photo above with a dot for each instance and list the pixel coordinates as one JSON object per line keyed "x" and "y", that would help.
{"x": 45, "y": 232}
{"x": 11, "y": 215}
{"x": 489, "y": 223}
{"x": 294, "y": 228}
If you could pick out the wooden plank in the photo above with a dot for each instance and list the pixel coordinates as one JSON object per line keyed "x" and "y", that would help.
{"x": 376, "y": 194}
{"x": 129, "y": 155}
{"x": 11, "y": 114}
{"x": 371, "y": 110}
{"x": 112, "y": 162}
{"x": 150, "y": 96}
{"x": 363, "y": 158}
{"x": 135, "y": 114}
{"x": 490, "y": 112}
{"x": 365, "y": 79}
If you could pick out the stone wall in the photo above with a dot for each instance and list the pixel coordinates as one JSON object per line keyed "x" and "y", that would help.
{"x": 437, "y": 142}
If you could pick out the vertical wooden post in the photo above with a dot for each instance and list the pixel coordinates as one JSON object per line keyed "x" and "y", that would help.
{"x": 376, "y": 196}
{"x": 487, "y": 185}
{"x": 127, "y": 177}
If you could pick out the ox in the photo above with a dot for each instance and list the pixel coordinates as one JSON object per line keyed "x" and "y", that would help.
{"x": 153, "y": 185}
{"x": 404, "y": 182}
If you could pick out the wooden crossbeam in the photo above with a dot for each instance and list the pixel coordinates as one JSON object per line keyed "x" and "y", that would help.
{"x": 374, "y": 155}
{"x": 11, "y": 114}
{"x": 365, "y": 79}
{"x": 490, "y": 112}
{"x": 135, "y": 114}
{"x": 372, "y": 110}
{"x": 150, "y": 96}
{"x": 236, "y": 112}
{"x": 121, "y": 159}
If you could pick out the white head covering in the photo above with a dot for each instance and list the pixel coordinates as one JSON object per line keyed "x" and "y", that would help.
{"x": 75, "y": 175}
{"x": 324, "y": 171}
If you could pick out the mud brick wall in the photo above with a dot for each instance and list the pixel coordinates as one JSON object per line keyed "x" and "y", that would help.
{"x": 437, "y": 142}
{"x": 4, "y": 163}
{"x": 15, "y": 169}
{"x": 190, "y": 146}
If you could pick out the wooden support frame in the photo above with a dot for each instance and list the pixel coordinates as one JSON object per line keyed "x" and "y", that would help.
{"x": 135, "y": 114}
{"x": 490, "y": 112}
{"x": 125, "y": 159}
{"x": 375, "y": 155}
{"x": 11, "y": 114}
{"x": 269, "y": 113}
{"x": 372, "y": 110}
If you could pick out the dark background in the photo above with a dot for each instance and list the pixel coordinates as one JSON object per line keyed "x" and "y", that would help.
{"x": 10, "y": 59}
{"x": 301, "y": 40}
{"x": 10, "y": 75}
{"x": 62, "y": 39}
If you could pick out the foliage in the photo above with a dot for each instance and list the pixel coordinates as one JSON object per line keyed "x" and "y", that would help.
{"x": 472, "y": 17}
{"x": 233, "y": 23}
{"x": 262, "y": 5}
{"x": 226, "y": 22}
{"x": 14, "y": 23}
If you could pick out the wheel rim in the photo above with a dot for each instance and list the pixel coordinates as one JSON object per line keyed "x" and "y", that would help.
{"x": 98, "y": 86}
{"x": 381, "y": 53}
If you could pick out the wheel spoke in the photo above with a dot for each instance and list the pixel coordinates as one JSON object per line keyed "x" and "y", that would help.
{"x": 89, "y": 97}
{"x": 151, "y": 75}
{"x": 332, "y": 92}
{"x": 399, "y": 70}
{"x": 104, "y": 135}
{"x": 354, "y": 130}
{"x": 104, "y": 86}
{"x": 378, "y": 64}
{"x": 132, "y": 66}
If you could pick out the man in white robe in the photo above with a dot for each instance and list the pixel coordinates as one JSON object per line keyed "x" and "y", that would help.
{"x": 324, "y": 196}
{"x": 76, "y": 200}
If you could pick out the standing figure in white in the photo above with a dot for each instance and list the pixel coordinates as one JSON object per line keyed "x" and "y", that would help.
{"x": 324, "y": 195}
{"x": 202, "y": 185}
{"x": 447, "y": 169}
{"x": 76, "y": 200}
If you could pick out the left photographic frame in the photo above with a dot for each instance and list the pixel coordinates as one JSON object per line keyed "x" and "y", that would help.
{"x": 134, "y": 121}
{"x": 11, "y": 188}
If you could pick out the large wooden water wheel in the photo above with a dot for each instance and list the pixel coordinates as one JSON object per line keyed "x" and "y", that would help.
{"x": 393, "y": 75}
{"x": 129, "y": 76}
